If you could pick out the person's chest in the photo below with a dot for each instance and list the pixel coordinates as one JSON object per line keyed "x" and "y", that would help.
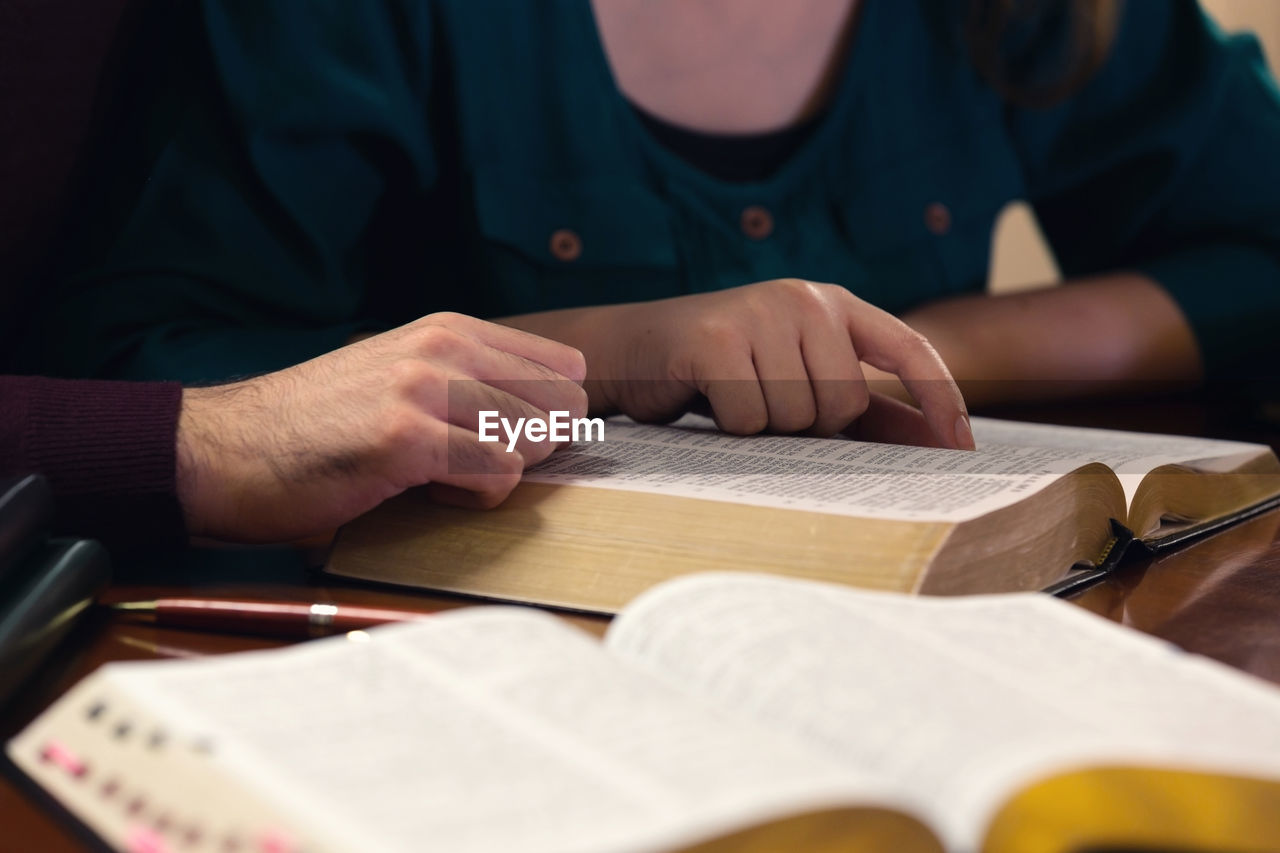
{"x": 566, "y": 200}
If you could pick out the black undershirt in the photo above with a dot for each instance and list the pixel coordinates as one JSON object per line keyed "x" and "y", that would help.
{"x": 731, "y": 157}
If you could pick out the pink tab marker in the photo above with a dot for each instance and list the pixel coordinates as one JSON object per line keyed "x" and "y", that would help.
{"x": 57, "y": 753}
{"x": 144, "y": 839}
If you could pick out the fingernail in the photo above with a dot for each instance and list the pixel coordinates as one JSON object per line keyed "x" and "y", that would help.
{"x": 964, "y": 434}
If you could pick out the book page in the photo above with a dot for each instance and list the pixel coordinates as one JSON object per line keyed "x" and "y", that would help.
{"x": 864, "y": 479}
{"x": 835, "y": 476}
{"x": 481, "y": 730}
{"x": 958, "y": 701}
{"x": 1130, "y": 454}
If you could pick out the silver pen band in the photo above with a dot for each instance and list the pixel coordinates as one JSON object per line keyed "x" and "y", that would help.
{"x": 321, "y": 618}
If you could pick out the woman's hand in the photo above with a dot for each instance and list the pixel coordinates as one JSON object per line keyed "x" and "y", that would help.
{"x": 781, "y": 355}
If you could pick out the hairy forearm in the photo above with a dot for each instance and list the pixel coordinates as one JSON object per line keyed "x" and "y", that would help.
{"x": 293, "y": 454}
{"x": 1105, "y": 335}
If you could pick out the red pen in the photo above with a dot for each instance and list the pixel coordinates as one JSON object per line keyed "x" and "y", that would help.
{"x": 274, "y": 618}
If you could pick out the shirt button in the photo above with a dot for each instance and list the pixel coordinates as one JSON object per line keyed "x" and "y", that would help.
{"x": 757, "y": 222}
{"x": 937, "y": 218}
{"x": 566, "y": 245}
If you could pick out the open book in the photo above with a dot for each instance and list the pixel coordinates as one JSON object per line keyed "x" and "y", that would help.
{"x": 720, "y": 710}
{"x": 598, "y": 523}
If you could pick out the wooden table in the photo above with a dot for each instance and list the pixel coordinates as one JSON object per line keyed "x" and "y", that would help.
{"x": 28, "y": 821}
{"x": 1219, "y": 597}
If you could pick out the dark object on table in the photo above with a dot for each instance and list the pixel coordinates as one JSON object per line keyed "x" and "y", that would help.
{"x": 44, "y": 583}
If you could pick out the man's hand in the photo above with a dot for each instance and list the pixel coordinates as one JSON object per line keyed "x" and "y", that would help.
{"x": 783, "y": 356}
{"x": 299, "y": 452}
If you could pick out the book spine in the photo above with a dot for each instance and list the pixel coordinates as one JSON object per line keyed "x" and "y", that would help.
{"x": 1085, "y": 575}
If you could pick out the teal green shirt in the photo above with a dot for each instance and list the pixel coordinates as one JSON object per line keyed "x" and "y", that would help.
{"x": 351, "y": 165}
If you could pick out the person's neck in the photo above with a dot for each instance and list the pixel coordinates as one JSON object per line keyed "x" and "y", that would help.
{"x": 727, "y": 66}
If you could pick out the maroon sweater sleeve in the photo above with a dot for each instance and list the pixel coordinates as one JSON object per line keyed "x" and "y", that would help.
{"x": 107, "y": 448}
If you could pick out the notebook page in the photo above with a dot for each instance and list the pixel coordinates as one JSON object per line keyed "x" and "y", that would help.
{"x": 961, "y": 701}
{"x": 488, "y": 729}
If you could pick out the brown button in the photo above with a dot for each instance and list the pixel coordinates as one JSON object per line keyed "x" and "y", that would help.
{"x": 937, "y": 218}
{"x": 566, "y": 245}
{"x": 757, "y": 223}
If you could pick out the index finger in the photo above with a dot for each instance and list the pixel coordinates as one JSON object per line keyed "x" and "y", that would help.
{"x": 563, "y": 359}
{"x": 886, "y": 342}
